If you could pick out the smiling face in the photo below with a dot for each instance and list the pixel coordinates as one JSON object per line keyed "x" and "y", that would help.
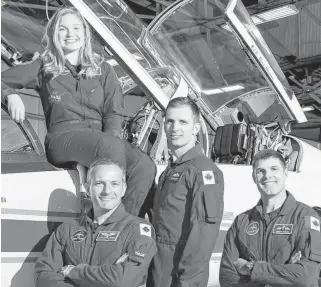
{"x": 181, "y": 128}
{"x": 71, "y": 33}
{"x": 106, "y": 188}
{"x": 270, "y": 176}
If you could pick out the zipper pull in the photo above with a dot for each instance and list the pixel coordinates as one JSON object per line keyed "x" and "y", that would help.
{"x": 77, "y": 83}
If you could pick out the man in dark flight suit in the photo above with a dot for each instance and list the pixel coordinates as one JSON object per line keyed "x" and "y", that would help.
{"x": 107, "y": 247}
{"x": 276, "y": 243}
{"x": 188, "y": 204}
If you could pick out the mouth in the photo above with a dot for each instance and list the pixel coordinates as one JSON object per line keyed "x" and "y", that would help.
{"x": 106, "y": 198}
{"x": 71, "y": 41}
{"x": 268, "y": 182}
{"x": 175, "y": 137}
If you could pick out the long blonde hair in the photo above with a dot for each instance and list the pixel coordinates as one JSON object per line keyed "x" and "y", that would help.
{"x": 53, "y": 57}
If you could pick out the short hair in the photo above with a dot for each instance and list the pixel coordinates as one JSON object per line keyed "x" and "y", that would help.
{"x": 185, "y": 101}
{"x": 266, "y": 154}
{"x": 107, "y": 162}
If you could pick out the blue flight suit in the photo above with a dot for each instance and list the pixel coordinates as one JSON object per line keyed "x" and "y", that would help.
{"x": 94, "y": 250}
{"x": 83, "y": 118}
{"x": 271, "y": 242}
{"x": 187, "y": 212}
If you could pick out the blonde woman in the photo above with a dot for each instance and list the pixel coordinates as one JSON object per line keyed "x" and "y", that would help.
{"x": 82, "y": 103}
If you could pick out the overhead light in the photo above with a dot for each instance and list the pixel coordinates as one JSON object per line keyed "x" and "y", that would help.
{"x": 307, "y": 108}
{"x": 270, "y": 15}
{"x": 222, "y": 90}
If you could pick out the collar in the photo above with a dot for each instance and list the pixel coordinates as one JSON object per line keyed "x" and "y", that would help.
{"x": 116, "y": 216}
{"x": 189, "y": 155}
{"x": 73, "y": 70}
{"x": 287, "y": 207}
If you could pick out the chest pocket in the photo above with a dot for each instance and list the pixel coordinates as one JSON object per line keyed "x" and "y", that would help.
{"x": 94, "y": 92}
{"x": 282, "y": 243}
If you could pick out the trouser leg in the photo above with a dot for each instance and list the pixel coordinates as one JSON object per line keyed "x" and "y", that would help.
{"x": 86, "y": 146}
{"x": 139, "y": 181}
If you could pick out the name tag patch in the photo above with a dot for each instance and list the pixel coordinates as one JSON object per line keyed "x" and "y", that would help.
{"x": 252, "y": 228}
{"x": 282, "y": 229}
{"x": 79, "y": 236}
{"x": 176, "y": 176}
{"x": 107, "y": 236}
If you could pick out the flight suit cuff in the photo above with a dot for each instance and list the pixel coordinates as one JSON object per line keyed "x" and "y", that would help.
{"x": 5, "y": 93}
{"x": 256, "y": 274}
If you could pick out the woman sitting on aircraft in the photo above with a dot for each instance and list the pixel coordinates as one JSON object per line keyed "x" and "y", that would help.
{"x": 82, "y": 102}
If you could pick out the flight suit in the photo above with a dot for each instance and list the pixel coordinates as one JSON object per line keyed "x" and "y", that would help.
{"x": 94, "y": 250}
{"x": 83, "y": 118}
{"x": 187, "y": 211}
{"x": 271, "y": 245}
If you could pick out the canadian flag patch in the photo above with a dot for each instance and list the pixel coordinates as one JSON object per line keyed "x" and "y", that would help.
{"x": 208, "y": 177}
{"x": 312, "y": 222}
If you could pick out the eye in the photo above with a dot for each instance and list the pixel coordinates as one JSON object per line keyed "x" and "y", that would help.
{"x": 274, "y": 168}
{"x": 183, "y": 122}
{"x": 61, "y": 29}
{"x": 115, "y": 184}
{"x": 98, "y": 183}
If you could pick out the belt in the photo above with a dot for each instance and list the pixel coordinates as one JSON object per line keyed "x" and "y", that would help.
{"x": 74, "y": 124}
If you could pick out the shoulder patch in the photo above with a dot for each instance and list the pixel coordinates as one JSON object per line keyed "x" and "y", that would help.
{"x": 145, "y": 229}
{"x": 312, "y": 222}
{"x": 208, "y": 177}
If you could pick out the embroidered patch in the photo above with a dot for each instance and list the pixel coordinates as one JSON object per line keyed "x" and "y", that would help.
{"x": 145, "y": 229}
{"x": 176, "y": 176}
{"x": 312, "y": 222}
{"x": 97, "y": 72}
{"x": 139, "y": 254}
{"x": 55, "y": 97}
{"x": 282, "y": 229}
{"x": 252, "y": 228}
{"x": 107, "y": 236}
{"x": 79, "y": 235}
{"x": 208, "y": 177}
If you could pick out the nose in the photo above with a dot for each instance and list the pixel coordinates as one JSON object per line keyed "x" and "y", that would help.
{"x": 175, "y": 126}
{"x": 105, "y": 189}
{"x": 70, "y": 32}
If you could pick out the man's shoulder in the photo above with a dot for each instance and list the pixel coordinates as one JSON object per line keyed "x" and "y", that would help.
{"x": 202, "y": 162}
{"x": 139, "y": 225}
{"x": 303, "y": 210}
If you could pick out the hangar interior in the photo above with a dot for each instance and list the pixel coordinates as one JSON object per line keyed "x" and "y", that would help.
{"x": 291, "y": 28}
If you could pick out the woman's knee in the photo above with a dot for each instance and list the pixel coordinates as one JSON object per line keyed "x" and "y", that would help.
{"x": 112, "y": 148}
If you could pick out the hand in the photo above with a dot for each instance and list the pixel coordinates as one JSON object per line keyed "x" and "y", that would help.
{"x": 296, "y": 257}
{"x": 16, "y": 108}
{"x": 66, "y": 269}
{"x": 122, "y": 258}
{"x": 240, "y": 265}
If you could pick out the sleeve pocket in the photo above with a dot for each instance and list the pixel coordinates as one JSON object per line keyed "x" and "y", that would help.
{"x": 210, "y": 207}
{"x": 315, "y": 238}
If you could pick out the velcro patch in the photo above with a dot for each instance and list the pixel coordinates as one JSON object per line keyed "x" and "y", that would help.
{"x": 312, "y": 222}
{"x": 107, "y": 236}
{"x": 145, "y": 229}
{"x": 208, "y": 177}
{"x": 252, "y": 228}
{"x": 176, "y": 176}
{"x": 282, "y": 229}
{"x": 79, "y": 236}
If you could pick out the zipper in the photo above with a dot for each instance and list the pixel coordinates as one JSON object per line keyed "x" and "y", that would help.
{"x": 92, "y": 244}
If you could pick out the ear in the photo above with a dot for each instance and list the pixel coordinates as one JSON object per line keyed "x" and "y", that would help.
{"x": 196, "y": 128}
{"x": 124, "y": 189}
{"x": 87, "y": 187}
{"x": 253, "y": 177}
